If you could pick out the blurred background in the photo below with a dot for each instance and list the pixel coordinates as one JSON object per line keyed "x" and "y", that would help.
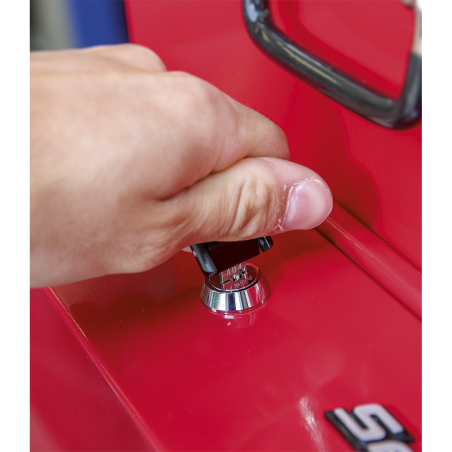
{"x": 64, "y": 24}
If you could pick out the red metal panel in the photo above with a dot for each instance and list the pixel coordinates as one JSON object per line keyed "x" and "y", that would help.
{"x": 328, "y": 337}
{"x": 72, "y": 406}
{"x": 376, "y": 257}
{"x": 369, "y": 39}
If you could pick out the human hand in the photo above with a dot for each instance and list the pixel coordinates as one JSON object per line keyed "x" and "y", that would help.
{"x": 131, "y": 163}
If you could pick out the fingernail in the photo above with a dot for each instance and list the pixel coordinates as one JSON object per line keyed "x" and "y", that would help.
{"x": 309, "y": 204}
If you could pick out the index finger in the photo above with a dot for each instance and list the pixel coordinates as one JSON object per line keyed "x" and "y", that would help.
{"x": 193, "y": 129}
{"x": 255, "y": 135}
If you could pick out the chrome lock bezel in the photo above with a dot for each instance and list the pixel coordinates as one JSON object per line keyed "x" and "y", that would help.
{"x": 236, "y": 295}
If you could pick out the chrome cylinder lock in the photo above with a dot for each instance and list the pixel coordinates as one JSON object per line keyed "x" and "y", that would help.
{"x": 235, "y": 290}
{"x": 231, "y": 284}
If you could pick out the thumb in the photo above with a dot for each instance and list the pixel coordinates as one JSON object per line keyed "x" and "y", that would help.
{"x": 252, "y": 198}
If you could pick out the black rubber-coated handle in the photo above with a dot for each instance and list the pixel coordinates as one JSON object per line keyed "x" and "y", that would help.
{"x": 399, "y": 113}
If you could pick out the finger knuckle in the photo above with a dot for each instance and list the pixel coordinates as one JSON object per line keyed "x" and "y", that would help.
{"x": 143, "y": 54}
{"x": 197, "y": 101}
{"x": 201, "y": 95}
{"x": 137, "y": 54}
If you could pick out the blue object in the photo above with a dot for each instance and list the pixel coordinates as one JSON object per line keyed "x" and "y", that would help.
{"x": 97, "y": 22}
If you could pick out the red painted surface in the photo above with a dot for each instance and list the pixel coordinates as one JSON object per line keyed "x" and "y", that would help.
{"x": 328, "y": 337}
{"x": 136, "y": 362}
{"x": 368, "y": 39}
{"x": 72, "y": 405}
{"x": 374, "y": 256}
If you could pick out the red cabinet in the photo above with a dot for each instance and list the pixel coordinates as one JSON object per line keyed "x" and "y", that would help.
{"x": 136, "y": 362}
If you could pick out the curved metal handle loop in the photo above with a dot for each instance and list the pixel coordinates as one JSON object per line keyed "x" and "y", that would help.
{"x": 399, "y": 113}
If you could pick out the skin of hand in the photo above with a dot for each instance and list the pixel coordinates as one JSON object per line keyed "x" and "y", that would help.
{"x": 131, "y": 163}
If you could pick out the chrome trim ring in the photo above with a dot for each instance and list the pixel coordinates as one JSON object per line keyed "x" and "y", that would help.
{"x": 254, "y": 294}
